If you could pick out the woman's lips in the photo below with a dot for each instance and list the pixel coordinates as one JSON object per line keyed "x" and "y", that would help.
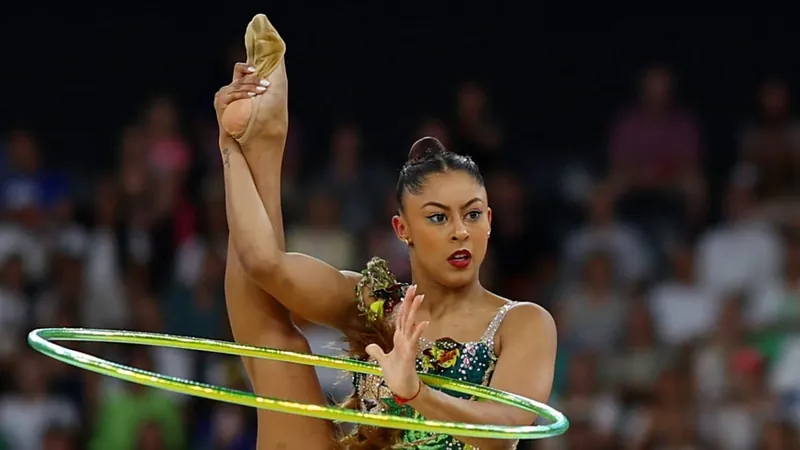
{"x": 460, "y": 259}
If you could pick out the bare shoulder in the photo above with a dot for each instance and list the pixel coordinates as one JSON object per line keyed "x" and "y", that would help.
{"x": 527, "y": 322}
{"x": 530, "y": 312}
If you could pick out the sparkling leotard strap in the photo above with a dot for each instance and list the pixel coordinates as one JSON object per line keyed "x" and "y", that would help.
{"x": 494, "y": 325}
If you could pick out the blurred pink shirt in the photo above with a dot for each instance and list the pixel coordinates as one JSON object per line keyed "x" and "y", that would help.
{"x": 656, "y": 147}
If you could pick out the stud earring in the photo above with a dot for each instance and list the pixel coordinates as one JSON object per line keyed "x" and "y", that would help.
{"x": 405, "y": 241}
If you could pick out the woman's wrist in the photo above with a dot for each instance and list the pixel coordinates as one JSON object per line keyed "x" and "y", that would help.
{"x": 402, "y": 400}
{"x": 424, "y": 390}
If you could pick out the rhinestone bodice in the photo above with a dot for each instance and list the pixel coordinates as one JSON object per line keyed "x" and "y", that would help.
{"x": 470, "y": 361}
{"x": 473, "y": 362}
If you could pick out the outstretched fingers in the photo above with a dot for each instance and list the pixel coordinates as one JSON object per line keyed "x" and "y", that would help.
{"x": 402, "y": 313}
{"x": 418, "y": 330}
{"x": 411, "y": 317}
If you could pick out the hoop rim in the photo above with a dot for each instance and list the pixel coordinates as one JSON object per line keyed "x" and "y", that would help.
{"x": 40, "y": 340}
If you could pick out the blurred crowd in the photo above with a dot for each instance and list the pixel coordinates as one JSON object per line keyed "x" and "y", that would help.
{"x": 677, "y": 298}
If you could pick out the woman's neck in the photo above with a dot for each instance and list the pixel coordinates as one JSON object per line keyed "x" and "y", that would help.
{"x": 441, "y": 300}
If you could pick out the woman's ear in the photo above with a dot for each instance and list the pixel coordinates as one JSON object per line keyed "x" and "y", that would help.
{"x": 400, "y": 227}
{"x": 489, "y": 217}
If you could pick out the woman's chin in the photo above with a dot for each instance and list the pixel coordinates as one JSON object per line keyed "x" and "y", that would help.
{"x": 459, "y": 279}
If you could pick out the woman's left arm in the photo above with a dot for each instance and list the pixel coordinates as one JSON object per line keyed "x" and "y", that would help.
{"x": 526, "y": 366}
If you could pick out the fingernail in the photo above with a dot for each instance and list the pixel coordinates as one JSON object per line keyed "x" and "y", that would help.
{"x": 421, "y": 298}
{"x": 261, "y": 88}
{"x": 251, "y": 69}
{"x": 264, "y": 83}
{"x": 251, "y": 94}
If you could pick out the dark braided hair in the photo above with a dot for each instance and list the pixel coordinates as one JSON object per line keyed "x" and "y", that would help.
{"x": 428, "y": 156}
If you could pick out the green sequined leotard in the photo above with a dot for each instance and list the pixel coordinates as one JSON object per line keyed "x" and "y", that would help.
{"x": 473, "y": 362}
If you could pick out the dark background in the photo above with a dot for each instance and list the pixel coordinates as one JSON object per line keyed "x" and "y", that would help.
{"x": 558, "y": 78}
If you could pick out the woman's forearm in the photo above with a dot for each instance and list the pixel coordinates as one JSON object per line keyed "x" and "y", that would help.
{"x": 437, "y": 405}
{"x": 329, "y": 297}
{"x": 251, "y": 230}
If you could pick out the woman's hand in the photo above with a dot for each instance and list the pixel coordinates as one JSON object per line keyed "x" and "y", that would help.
{"x": 244, "y": 85}
{"x": 399, "y": 365}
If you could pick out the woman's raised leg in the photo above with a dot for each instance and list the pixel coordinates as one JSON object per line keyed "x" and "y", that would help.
{"x": 256, "y": 318}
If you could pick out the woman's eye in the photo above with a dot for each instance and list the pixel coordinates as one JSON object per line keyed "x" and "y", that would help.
{"x": 437, "y": 218}
{"x": 474, "y": 215}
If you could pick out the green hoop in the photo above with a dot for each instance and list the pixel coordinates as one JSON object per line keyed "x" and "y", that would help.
{"x": 40, "y": 341}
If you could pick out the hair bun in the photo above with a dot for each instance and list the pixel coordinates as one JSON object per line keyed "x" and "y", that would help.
{"x": 425, "y": 148}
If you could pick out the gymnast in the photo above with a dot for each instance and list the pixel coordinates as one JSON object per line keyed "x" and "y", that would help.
{"x": 443, "y": 323}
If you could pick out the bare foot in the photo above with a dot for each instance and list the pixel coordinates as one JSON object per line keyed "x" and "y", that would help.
{"x": 264, "y": 117}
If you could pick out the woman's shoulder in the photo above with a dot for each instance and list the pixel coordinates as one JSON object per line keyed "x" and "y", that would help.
{"x": 520, "y": 308}
{"x": 521, "y": 317}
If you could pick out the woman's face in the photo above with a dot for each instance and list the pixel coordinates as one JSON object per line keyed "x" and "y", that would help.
{"x": 447, "y": 224}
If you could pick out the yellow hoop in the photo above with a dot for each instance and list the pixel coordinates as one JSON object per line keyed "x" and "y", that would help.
{"x": 40, "y": 341}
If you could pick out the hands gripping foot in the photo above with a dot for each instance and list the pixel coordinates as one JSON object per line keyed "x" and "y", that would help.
{"x": 247, "y": 115}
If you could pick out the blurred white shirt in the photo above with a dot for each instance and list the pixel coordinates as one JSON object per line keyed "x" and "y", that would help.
{"x": 23, "y": 423}
{"x": 682, "y": 312}
{"x": 739, "y": 257}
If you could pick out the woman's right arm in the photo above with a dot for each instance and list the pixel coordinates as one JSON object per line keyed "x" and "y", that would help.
{"x": 306, "y": 286}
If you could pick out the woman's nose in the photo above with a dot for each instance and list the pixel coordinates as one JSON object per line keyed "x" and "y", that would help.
{"x": 460, "y": 232}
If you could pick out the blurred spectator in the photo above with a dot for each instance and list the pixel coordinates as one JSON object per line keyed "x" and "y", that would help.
{"x": 229, "y": 429}
{"x": 112, "y": 248}
{"x": 587, "y": 402}
{"x": 582, "y": 436}
{"x": 777, "y": 302}
{"x": 511, "y": 224}
{"x": 382, "y": 240}
{"x": 590, "y": 313}
{"x": 14, "y": 305}
{"x": 210, "y": 238}
{"x": 347, "y": 179}
{"x": 778, "y": 435}
{"x": 435, "y": 127}
{"x": 65, "y": 292}
{"x": 31, "y": 196}
{"x": 134, "y": 171}
{"x": 150, "y": 438}
{"x": 656, "y": 154}
{"x": 28, "y": 412}
{"x": 167, "y": 150}
{"x": 603, "y": 232}
{"x": 198, "y": 309}
{"x": 683, "y": 310}
{"x": 59, "y": 439}
{"x": 670, "y": 420}
{"x": 29, "y": 190}
{"x": 148, "y": 316}
{"x": 772, "y": 136}
{"x": 480, "y": 132}
{"x": 138, "y": 410}
{"x": 741, "y": 254}
{"x": 712, "y": 359}
{"x": 634, "y": 369}
{"x": 321, "y": 237}
{"x": 738, "y": 423}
